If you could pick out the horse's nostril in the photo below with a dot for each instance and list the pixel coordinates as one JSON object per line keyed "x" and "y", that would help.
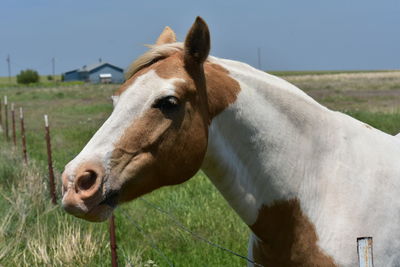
{"x": 86, "y": 180}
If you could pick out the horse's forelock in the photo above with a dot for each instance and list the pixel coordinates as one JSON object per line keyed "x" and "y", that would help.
{"x": 155, "y": 53}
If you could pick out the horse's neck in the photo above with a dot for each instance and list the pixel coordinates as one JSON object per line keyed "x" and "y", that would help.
{"x": 260, "y": 146}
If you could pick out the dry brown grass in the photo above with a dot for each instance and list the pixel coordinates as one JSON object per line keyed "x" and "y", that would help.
{"x": 368, "y": 91}
{"x": 33, "y": 232}
{"x": 395, "y": 75}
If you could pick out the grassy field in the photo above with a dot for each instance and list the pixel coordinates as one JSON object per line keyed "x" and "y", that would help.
{"x": 284, "y": 73}
{"x": 34, "y": 233}
{"x": 13, "y": 79}
{"x": 11, "y": 82}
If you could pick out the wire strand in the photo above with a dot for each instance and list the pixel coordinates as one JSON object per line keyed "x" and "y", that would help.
{"x": 148, "y": 238}
{"x": 184, "y": 228}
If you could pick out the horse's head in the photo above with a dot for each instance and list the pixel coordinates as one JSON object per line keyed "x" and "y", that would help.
{"x": 157, "y": 134}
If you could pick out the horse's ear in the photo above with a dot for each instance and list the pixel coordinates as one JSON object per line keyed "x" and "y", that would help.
{"x": 197, "y": 42}
{"x": 166, "y": 37}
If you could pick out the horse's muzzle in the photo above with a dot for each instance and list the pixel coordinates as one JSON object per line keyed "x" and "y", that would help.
{"x": 83, "y": 193}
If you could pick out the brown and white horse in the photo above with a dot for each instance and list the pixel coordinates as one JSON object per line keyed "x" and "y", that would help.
{"x": 306, "y": 180}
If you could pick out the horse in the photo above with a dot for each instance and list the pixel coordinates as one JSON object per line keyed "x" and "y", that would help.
{"x": 306, "y": 180}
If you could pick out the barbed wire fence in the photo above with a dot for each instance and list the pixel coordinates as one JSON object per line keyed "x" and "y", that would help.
{"x": 180, "y": 225}
{"x": 4, "y": 125}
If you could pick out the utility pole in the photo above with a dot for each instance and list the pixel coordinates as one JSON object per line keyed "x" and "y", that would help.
{"x": 9, "y": 68}
{"x": 53, "y": 61}
{"x": 259, "y": 57}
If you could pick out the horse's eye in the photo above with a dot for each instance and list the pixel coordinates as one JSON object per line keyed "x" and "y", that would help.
{"x": 167, "y": 103}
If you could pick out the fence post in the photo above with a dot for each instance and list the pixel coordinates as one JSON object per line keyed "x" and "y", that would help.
{"x": 1, "y": 117}
{"x": 23, "y": 140}
{"x": 50, "y": 161}
{"x": 6, "y": 118}
{"x": 113, "y": 242}
{"x": 14, "y": 135}
{"x": 364, "y": 250}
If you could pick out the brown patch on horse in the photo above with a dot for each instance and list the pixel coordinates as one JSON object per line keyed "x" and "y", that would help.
{"x": 287, "y": 237}
{"x": 222, "y": 90}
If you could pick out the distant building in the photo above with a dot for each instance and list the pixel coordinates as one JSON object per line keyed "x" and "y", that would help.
{"x": 101, "y": 72}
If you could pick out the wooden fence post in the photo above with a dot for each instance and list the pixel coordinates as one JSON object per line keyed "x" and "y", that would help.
{"x": 14, "y": 134}
{"x": 6, "y": 118}
{"x": 364, "y": 250}
{"x": 23, "y": 140}
{"x": 50, "y": 162}
{"x": 113, "y": 242}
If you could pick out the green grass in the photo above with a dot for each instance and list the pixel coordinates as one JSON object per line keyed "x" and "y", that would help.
{"x": 387, "y": 122}
{"x": 34, "y": 233}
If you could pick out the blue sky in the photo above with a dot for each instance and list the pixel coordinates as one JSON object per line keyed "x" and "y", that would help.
{"x": 292, "y": 35}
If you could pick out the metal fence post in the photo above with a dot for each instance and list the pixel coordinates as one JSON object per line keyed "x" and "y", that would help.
{"x": 113, "y": 242}
{"x": 23, "y": 139}
{"x": 364, "y": 250}
{"x": 1, "y": 117}
{"x": 50, "y": 162}
{"x": 14, "y": 134}
{"x": 6, "y": 118}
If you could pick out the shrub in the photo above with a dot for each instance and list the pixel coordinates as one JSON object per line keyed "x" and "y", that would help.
{"x": 49, "y": 77}
{"x": 28, "y": 76}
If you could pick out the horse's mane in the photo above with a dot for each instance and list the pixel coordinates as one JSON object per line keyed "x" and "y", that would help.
{"x": 155, "y": 53}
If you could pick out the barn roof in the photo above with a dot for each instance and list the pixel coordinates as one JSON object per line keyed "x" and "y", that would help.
{"x": 92, "y": 67}
{"x": 71, "y": 71}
